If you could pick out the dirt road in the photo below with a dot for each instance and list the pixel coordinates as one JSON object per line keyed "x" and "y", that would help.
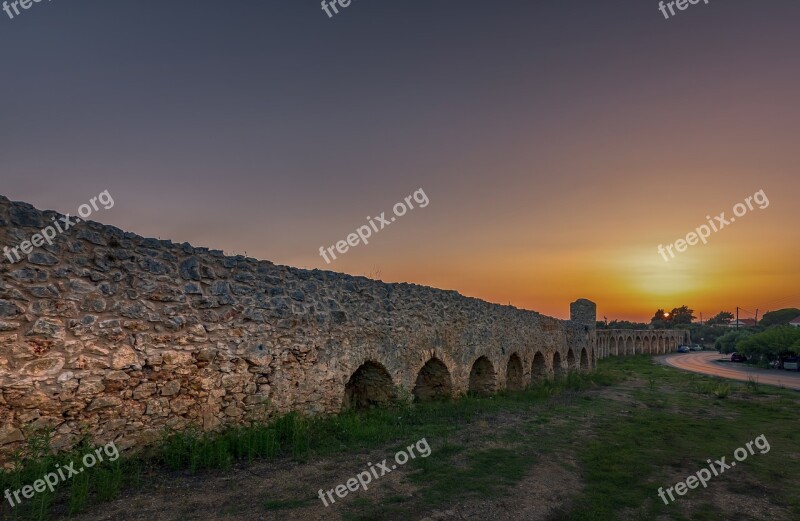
{"x": 714, "y": 364}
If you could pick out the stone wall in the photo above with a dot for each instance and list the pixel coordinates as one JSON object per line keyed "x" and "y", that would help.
{"x": 622, "y": 342}
{"x": 122, "y": 336}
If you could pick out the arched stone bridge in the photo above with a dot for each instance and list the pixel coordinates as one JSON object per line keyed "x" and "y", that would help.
{"x": 119, "y": 336}
{"x": 513, "y": 369}
{"x": 620, "y": 342}
{"x": 437, "y": 373}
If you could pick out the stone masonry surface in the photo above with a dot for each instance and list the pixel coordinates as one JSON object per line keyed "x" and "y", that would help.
{"x": 121, "y": 336}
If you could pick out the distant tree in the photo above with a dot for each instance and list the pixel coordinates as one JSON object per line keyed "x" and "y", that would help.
{"x": 681, "y": 315}
{"x": 772, "y": 344}
{"x": 704, "y": 333}
{"x": 722, "y": 318}
{"x": 664, "y": 320}
{"x": 660, "y": 316}
{"x": 727, "y": 343}
{"x": 780, "y": 317}
{"x": 625, "y": 324}
{"x": 660, "y": 324}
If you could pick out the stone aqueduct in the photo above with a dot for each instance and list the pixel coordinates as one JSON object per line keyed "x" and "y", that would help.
{"x": 434, "y": 380}
{"x": 620, "y": 342}
{"x": 120, "y": 336}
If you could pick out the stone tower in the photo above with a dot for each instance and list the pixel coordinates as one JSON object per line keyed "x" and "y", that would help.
{"x": 583, "y": 312}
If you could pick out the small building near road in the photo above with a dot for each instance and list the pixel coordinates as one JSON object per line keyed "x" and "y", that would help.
{"x": 743, "y": 322}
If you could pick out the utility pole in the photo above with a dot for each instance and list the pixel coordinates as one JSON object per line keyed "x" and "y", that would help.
{"x": 737, "y": 317}
{"x": 701, "y": 318}
{"x": 756, "y": 316}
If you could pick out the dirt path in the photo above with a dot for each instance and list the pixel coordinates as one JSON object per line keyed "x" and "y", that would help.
{"x": 713, "y": 365}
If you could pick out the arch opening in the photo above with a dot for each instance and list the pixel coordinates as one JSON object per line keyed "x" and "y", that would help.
{"x": 370, "y": 386}
{"x": 482, "y": 378}
{"x": 570, "y": 360}
{"x": 538, "y": 368}
{"x": 584, "y": 360}
{"x": 433, "y": 382}
{"x": 515, "y": 381}
{"x": 558, "y": 366}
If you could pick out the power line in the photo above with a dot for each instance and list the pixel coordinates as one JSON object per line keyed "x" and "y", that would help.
{"x": 747, "y": 311}
{"x": 779, "y": 302}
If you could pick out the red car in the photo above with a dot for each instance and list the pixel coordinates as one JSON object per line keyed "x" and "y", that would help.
{"x": 736, "y": 357}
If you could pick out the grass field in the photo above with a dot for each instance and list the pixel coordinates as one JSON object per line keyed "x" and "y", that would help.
{"x": 590, "y": 447}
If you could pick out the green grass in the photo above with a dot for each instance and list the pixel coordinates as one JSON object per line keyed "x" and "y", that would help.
{"x": 654, "y": 444}
{"x": 97, "y": 484}
{"x": 485, "y": 473}
{"x": 664, "y": 423}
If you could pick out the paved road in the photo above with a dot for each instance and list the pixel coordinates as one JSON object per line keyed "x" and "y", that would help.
{"x": 714, "y": 364}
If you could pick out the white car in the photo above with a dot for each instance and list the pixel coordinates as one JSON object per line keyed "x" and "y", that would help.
{"x": 696, "y": 347}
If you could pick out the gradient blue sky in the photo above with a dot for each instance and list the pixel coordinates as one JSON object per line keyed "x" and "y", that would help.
{"x": 559, "y": 142}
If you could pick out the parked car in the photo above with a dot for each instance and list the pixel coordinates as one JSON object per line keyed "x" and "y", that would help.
{"x": 792, "y": 363}
{"x": 736, "y": 357}
{"x": 696, "y": 347}
{"x": 683, "y": 349}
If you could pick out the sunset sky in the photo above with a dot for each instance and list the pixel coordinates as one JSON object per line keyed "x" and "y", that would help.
{"x": 559, "y": 142}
